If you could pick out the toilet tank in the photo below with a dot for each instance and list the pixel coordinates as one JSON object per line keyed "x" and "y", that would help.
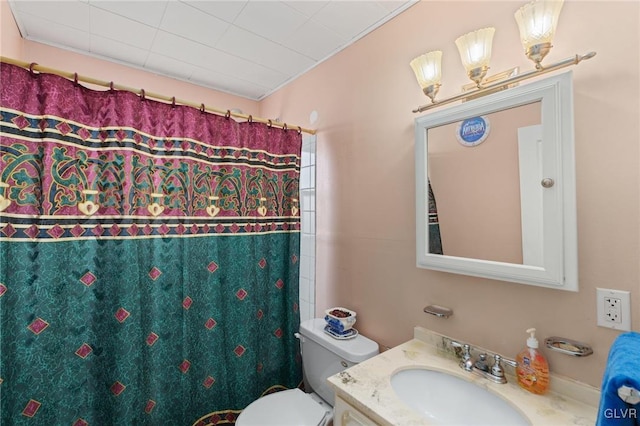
{"x": 323, "y": 355}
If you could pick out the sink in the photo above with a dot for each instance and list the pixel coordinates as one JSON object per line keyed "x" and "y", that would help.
{"x": 445, "y": 399}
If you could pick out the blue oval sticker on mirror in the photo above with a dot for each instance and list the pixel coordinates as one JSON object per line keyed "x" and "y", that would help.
{"x": 473, "y": 131}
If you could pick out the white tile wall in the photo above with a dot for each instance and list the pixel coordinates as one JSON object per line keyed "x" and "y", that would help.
{"x": 308, "y": 227}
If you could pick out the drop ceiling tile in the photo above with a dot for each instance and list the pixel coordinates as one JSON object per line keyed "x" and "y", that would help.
{"x": 241, "y": 43}
{"x": 350, "y": 18}
{"x": 264, "y": 52}
{"x": 116, "y": 27}
{"x": 168, "y": 66}
{"x": 225, "y": 10}
{"x": 309, "y": 8}
{"x": 43, "y": 31}
{"x": 181, "y": 48}
{"x": 228, "y": 84}
{"x": 112, "y": 49}
{"x": 189, "y": 22}
{"x": 269, "y": 19}
{"x": 393, "y": 5}
{"x": 230, "y": 65}
{"x": 73, "y": 14}
{"x": 263, "y": 76}
{"x": 315, "y": 41}
{"x": 146, "y": 12}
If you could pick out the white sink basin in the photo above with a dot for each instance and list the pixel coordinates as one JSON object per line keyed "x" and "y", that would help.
{"x": 448, "y": 400}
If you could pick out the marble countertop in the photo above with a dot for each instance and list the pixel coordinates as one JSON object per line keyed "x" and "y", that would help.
{"x": 367, "y": 387}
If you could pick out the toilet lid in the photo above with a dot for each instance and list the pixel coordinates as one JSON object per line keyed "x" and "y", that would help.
{"x": 286, "y": 408}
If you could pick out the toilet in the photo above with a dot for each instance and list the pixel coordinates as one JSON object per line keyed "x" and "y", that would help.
{"x": 322, "y": 357}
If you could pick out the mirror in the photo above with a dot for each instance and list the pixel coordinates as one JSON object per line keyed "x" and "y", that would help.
{"x": 495, "y": 186}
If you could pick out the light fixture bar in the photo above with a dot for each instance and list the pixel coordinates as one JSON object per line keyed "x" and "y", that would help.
{"x": 502, "y": 83}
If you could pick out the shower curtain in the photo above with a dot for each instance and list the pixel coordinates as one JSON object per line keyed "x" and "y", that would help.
{"x": 148, "y": 258}
{"x": 435, "y": 241}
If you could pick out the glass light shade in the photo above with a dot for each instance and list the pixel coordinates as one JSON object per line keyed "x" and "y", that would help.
{"x": 537, "y": 21}
{"x": 428, "y": 68}
{"x": 475, "y": 48}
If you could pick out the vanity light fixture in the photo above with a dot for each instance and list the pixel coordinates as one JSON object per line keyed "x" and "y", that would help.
{"x": 475, "y": 52}
{"x": 537, "y": 22}
{"x": 428, "y": 71}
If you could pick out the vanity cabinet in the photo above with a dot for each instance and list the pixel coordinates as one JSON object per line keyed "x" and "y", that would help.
{"x": 345, "y": 414}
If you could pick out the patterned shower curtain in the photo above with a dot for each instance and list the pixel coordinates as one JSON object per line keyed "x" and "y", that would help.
{"x": 435, "y": 241}
{"x": 149, "y": 258}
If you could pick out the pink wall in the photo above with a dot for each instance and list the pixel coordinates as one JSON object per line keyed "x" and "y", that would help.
{"x": 365, "y": 179}
{"x": 10, "y": 41}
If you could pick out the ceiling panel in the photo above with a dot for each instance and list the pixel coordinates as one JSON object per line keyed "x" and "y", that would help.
{"x": 248, "y": 48}
{"x": 118, "y": 28}
{"x": 57, "y": 34}
{"x": 283, "y": 20}
{"x": 146, "y": 12}
{"x": 203, "y": 28}
{"x": 101, "y": 46}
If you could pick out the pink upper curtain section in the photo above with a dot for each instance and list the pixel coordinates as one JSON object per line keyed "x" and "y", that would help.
{"x": 34, "y": 93}
{"x": 68, "y": 151}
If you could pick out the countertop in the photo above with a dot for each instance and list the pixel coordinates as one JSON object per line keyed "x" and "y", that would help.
{"x": 367, "y": 387}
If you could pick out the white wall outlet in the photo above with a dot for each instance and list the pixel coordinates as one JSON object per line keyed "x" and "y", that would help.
{"x": 614, "y": 309}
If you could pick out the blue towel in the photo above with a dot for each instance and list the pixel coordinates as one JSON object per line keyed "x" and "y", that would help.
{"x": 623, "y": 369}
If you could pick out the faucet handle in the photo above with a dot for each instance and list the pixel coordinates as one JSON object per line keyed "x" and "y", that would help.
{"x": 497, "y": 369}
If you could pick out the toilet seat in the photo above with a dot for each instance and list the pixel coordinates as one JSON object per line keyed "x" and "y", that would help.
{"x": 286, "y": 408}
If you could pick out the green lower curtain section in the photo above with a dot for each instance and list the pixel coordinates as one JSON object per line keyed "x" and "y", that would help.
{"x": 158, "y": 331}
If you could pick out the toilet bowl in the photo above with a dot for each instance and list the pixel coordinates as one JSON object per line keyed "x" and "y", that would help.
{"x": 322, "y": 357}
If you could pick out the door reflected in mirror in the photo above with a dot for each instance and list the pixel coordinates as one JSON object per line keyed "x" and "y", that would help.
{"x": 487, "y": 197}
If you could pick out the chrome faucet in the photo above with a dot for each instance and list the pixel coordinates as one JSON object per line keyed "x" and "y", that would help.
{"x": 466, "y": 362}
{"x": 495, "y": 373}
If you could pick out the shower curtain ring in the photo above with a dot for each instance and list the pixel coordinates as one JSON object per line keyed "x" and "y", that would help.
{"x": 227, "y": 114}
{"x": 269, "y": 124}
{"x": 284, "y": 127}
{"x": 250, "y": 119}
{"x": 299, "y": 130}
{"x": 173, "y": 102}
{"x": 202, "y": 108}
{"x": 75, "y": 78}
{"x": 111, "y": 86}
{"x": 31, "y": 70}
{"x": 142, "y": 95}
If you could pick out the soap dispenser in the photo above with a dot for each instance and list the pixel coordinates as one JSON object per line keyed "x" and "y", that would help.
{"x": 532, "y": 369}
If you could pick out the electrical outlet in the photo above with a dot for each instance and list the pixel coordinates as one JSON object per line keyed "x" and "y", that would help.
{"x": 614, "y": 309}
{"x": 612, "y": 306}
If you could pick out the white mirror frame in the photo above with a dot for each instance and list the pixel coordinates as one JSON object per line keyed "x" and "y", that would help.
{"x": 560, "y": 245}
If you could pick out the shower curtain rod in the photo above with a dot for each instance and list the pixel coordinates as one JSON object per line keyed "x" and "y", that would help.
{"x": 32, "y": 66}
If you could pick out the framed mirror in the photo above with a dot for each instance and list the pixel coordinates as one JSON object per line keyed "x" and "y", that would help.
{"x": 495, "y": 186}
